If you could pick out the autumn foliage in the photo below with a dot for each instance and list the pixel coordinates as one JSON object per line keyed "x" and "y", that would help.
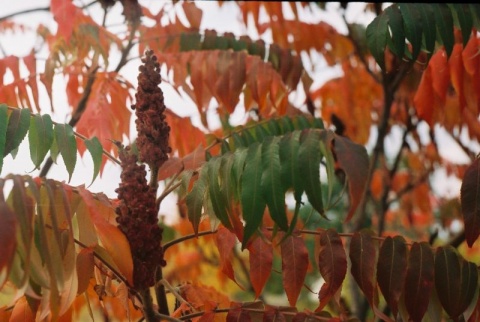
{"x": 297, "y": 197}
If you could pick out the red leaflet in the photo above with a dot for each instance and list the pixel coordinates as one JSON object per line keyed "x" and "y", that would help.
{"x": 193, "y": 14}
{"x": 363, "y": 255}
{"x": 261, "y": 258}
{"x": 184, "y": 137}
{"x": 64, "y": 14}
{"x": 391, "y": 270}
{"x": 229, "y": 84}
{"x": 332, "y": 263}
{"x": 273, "y": 315}
{"x": 470, "y": 200}
{"x": 455, "y": 281}
{"x": 419, "y": 280}
{"x": 294, "y": 266}
{"x": 238, "y": 315}
{"x": 225, "y": 241}
{"x": 353, "y": 159}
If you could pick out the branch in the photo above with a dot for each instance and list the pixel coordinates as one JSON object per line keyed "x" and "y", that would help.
{"x": 390, "y": 84}
{"x": 126, "y": 49}
{"x": 33, "y": 10}
{"x": 187, "y": 237}
{"x": 27, "y": 11}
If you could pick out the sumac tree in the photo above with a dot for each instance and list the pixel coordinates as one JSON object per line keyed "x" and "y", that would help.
{"x": 305, "y": 189}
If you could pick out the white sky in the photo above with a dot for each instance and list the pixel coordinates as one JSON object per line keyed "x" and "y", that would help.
{"x": 222, "y": 19}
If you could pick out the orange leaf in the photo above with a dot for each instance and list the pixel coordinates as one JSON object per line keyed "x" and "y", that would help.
{"x": 184, "y": 137}
{"x": 110, "y": 236}
{"x": 261, "y": 259}
{"x": 471, "y": 62}
{"x": 172, "y": 166}
{"x": 231, "y": 78}
{"x": 31, "y": 62}
{"x": 294, "y": 266}
{"x": 421, "y": 198}
{"x": 64, "y": 14}
{"x": 225, "y": 241}
{"x": 440, "y": 74}
{"x": 400, "y": 180}
{"x": 456, "y": 73}
{"x": 423, "y": 97}
{"x": 199, "y": 296}
{"x": 377, "y": 183}
{"x": 22, "y": 312}
{"x": 193, "y": 14}
{"x": 85, "y": 264}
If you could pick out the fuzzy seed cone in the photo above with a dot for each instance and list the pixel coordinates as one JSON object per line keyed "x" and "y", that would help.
{"x": 137, "y": 218}
{"x": 153, "y": 130}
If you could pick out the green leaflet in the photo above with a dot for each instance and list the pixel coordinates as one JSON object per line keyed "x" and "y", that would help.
{"x": 325, "y": 143}
{"x": 190, "y": 41}
{"x": 219, "y": 202}
{"x": 238, "y": 141}
{"x": 17, "y": 129}
{"x": 40, "y": 137}
{"x": 413, "y": 27}
{"x": 302, "y": 122}
{"x": 3, "y": 130}
{"x": 67, "y": 146}
{"x": 288, "y": 150}
{"x": 287, "y": 124}
{"x": 228, "y": 180}
{"x": 475, "y": 9}
{"x": 195, "y": 199}
{"x": 252, "y": 200}
{"x": 444, "y": 21}
{"x": 237, "y": 170}
{"x": 309, "y": 156}
{"x": 96, "y": 151}
{"x": 261, "y": 133}
{"x": 54, "y": 152}
{"x": 395, "y": 22}
{"x": 274, "y": 127}
{"x": 429, "y": 27}
{"x": 271, "y": 182}
{"x": 465, "y": 20}
{"x": 377, "y": 33}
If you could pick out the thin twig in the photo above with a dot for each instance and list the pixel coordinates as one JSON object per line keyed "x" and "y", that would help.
{"x": 167, "y": 192}
{"x": 22, "y": 12}
{"x": 33, "y": 10}
{"x": 187, "y": 237}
